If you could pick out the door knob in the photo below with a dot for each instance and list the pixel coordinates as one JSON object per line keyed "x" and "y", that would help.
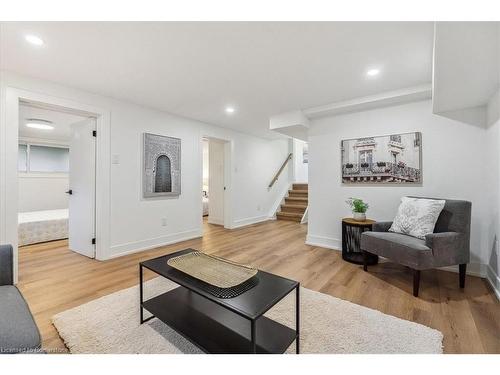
{"x": 70, "y": 192}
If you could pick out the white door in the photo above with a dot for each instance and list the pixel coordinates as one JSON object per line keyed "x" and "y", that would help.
{"x": 82, "y": 188}
{"x": 216, "y": 182}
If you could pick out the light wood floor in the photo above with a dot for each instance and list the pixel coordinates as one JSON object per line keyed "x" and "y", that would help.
{"x": 54, "y": 279}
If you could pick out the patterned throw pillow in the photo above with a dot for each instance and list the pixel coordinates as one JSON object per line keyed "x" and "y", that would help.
{"x": 417, "y": 217}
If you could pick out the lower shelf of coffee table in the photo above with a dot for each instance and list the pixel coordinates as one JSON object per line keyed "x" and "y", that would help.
{"x": 215, "y": 329}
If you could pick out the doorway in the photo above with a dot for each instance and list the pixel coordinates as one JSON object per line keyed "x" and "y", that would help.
{"x": 9, "y": 146}
{"x": 216, "y": 181}
{"x": 56, "y": 177}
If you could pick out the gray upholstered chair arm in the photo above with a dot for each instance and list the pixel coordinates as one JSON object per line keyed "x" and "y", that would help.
{"x": 445, "y": 243}
{"x": 442, "y": 239}
{"x": 6, "y": 265}
{"x": 381, "y": 226}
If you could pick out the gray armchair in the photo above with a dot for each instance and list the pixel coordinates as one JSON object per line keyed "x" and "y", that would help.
{"x": 449, "y": 244}
{"x": 18, "y": 331}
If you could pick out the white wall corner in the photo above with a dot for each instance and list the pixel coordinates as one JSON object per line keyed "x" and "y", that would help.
{"x": 326, "y": 242}
{"x": 249, "y": 221}
{"x": 494, "y": 280}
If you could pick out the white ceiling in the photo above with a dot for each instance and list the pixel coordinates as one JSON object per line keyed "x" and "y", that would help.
{"x": 60, "y": 121}
{"x": 466, "y": 64}
{"x": 196, "y": 69}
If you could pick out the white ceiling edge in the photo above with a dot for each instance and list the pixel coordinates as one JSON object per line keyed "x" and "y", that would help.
{"x": 385, "y": 99}
{"x": 295, "y": 124}
{"x": 477, "y": 116}
{"x": 294, "y": 131}
{"x": 291, "y": 124}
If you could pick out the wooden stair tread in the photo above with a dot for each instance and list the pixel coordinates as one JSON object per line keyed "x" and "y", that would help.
{"x": 304, "y": 206}
{"x": 290, "y": 214}
{"x": 300, "y": 186}
{"x": 295, "y": 204}
{"x": 299, "y": 199}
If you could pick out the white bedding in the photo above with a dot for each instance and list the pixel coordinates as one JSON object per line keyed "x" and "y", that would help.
{"x": 42, "y": 226}
{"x": 205, "y": 206}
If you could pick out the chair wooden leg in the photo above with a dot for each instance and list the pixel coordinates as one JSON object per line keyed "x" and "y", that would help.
{"x": 365, "y": 261}
{"x": 416, "y": 282}
{"x": 461, "y": 274}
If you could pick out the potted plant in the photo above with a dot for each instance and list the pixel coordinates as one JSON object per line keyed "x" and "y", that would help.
{"x": 358, "y": 208}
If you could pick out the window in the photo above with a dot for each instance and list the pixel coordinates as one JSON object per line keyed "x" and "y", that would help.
{"x": 396, "y": 138}
{"x": 45, "y": 159}
{"x": 365, "y": 156}
{"x": 22, "y": 158}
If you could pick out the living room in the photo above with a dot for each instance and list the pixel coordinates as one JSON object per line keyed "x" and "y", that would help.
{"x": 352, "y": 192}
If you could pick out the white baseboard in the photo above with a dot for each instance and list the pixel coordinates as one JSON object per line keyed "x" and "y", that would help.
{"x": 473, "y": 269}
{"x": 327, "y": 242}
{"x": 494, "y": 280}
{"x": 249, "y": 221}
{"x": 137, "y": 246}
{"x": 215, "y": 221}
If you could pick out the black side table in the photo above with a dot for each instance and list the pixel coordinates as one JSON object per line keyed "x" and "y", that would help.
{"x": 351, "y": 239}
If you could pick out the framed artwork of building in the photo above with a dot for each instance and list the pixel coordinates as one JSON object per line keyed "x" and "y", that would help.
{"x": 388, "y": 159}
{"x": 161, "y": 175}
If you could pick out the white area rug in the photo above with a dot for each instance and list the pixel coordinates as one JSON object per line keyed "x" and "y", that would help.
{"x": 328, "y": 325}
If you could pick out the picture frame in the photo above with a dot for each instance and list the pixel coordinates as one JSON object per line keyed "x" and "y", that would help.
{"x": 161, "y": 174}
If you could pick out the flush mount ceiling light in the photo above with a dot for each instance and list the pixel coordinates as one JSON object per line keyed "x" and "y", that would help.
{"x": 33, "y": 39}
{"x": 373, "y": 72}
{"x": 230, "y": 110}
{"x": 36, "y": 123}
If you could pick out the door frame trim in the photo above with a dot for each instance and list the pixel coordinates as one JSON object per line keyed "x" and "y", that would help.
{"x": 228, "y": 178}
{"x": 9, "y": 129}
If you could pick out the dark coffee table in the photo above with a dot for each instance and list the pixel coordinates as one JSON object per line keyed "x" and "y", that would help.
{"x": 216, "y": 325}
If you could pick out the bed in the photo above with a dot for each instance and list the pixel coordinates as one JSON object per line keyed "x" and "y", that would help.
{"x": 42, "y": 226}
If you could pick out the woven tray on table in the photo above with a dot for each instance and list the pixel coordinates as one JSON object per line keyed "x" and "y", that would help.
{"x": 218, "y": 276}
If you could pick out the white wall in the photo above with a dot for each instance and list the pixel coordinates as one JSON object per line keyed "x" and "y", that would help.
{"x": 453, "y": 165}
{"x": 42, "y": 191}
{"x": 136, "y": 223}
{"x": 493, "y": 191}
{"x": 301, "y": 169}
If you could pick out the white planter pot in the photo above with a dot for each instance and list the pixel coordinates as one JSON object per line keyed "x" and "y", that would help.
{"x": 359, "y": 216}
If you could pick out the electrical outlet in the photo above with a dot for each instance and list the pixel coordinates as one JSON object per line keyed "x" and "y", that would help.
{"x": 163, "y": 221}
{"x": 258, "y": 208}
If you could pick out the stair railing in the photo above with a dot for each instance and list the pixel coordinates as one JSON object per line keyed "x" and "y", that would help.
{"x": 276, "y": 176}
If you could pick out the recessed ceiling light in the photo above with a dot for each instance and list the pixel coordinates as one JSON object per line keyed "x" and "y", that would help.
{"x": 39, "y": 124}
{"x": 373, "y": 72}
{"x": 230, "y": 110}
{"x": 35, "y": 40}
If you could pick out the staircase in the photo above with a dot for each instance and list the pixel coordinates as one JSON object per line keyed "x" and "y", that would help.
{"x": 295, "y": 204}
